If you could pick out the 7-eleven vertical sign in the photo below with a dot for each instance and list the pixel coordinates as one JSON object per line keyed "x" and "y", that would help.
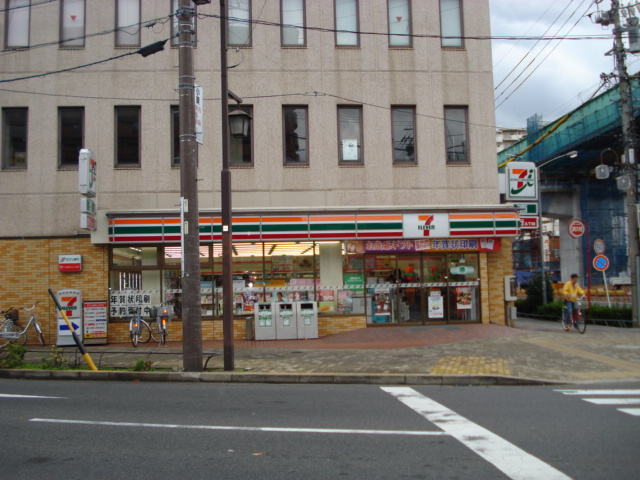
{"x": 71, "y": 302}
{"x": 522, "y": 181}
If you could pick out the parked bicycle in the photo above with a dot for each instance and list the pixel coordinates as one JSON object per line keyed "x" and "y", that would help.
{"x": 139, "y": 329}
{"x": 577, "y": 318}
{"x": 10, "y": 331}
{"x": 161, "y": 317}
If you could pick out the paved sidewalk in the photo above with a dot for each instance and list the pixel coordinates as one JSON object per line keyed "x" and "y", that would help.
{"x": 533, "y": 352}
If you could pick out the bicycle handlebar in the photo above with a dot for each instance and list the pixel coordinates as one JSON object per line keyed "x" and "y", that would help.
{"x": 29, "y": 309}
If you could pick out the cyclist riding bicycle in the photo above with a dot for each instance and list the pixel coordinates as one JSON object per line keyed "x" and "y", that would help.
{"x": 570, "y": 292}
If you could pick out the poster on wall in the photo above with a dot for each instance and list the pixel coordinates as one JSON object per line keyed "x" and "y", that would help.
{"x": 463, "y": 298}
{"x": 382, "y": 302}
{"x": 95, "y": 321}
{"x": 436, "y": 305}
{"x": 326, "y": 301}
{"x": 345, "y": 301}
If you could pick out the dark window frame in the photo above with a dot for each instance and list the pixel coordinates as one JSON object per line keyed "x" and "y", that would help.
{"x": 304, "y": 27}
{"x": 335, "y": 24}
{"x": 448, "y": 154}
{"x": 461, "y": 20}
{"x": 61, "y": 160}
{"x": 341, "y": 160}
{"x": 391, "y": 36}
{"x": 118, "y": 27}
{"x": 412, "y": 108}
{"x": 7, "y": 13}
{"x": 285, "y": 138}
{"x": 249, "y": 44}
{"x": 84, "y": 27}
{"x": 5, "y": 152}
{"x": 117, "y": 136}
{"x": 175, "y": 135}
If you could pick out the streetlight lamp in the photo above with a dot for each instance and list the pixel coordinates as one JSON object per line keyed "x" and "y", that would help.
{"x": 571, "y": 154}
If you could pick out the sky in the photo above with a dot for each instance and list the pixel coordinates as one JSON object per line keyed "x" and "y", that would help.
{"x": 568, "y": 71}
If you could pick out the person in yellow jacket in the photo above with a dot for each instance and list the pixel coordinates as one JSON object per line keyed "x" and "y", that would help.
{"x": 570, "y": 292}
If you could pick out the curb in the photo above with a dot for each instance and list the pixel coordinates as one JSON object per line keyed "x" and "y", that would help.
{"x": 277, "y": 378}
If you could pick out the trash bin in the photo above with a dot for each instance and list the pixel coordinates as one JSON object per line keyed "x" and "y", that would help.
{"x": 265, "y": 327}
{"x": 286, "y": 325}
{"x": 307, "y": 313}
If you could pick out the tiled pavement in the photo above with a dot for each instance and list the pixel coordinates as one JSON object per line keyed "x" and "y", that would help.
{"x": 534, "y": 350}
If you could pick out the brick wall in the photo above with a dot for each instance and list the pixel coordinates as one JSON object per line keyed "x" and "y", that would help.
{"x": 499, "y": 264}
{"x": 29, "y": 267}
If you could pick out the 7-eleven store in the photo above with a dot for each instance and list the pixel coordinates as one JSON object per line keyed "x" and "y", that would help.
{"x": 363, "y": 268}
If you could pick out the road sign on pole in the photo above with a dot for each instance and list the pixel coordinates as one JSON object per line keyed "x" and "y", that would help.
{"x": 600, "y": 263}
{"x": 599, "y": 246}
{"x": 576, "y": 228}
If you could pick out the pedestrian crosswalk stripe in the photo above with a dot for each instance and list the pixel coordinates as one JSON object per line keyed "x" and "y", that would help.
{"x": 631, "y": 411}
{"x": 599, "y": 392}
{"x": 613, "y": 401}
{"x": 615, "y": 397}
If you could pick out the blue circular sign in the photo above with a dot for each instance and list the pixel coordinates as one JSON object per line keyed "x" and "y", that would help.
{"x": 600, "y": 263}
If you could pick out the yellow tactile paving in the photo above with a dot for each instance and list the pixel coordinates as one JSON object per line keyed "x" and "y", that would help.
{"x": 471, "y": 366}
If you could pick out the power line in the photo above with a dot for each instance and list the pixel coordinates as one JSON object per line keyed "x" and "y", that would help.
{"x": 144, "y": 51}
{"x": 27, "y": 5}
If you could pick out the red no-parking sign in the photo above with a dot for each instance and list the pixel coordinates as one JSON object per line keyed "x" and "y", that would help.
{"x": 600, "y": 263}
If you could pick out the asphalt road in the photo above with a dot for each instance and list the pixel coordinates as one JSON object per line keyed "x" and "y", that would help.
{"x": 107, "y": 430}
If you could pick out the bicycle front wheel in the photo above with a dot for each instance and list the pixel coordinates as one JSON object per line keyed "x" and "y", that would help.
{"x": 566, "y": 321}
{"x": 134, "y": 332}
{"x": 154, "y": 331}
{"x": 581, "y": 323}
{"x": 145, "y": 332}
{"x": 38, "y": 330}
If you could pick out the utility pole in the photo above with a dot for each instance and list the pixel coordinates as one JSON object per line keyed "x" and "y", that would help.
{"x": 628, "y": 139}
{"x": 226, "y": 214}
{"x": 191, "y": 308}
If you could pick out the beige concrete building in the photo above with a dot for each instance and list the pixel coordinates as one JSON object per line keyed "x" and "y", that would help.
{"x": 367, "y": 183}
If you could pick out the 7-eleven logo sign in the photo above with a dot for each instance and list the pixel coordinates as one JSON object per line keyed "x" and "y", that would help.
{"x": 69, "y": 305}
{"x": 522, "y": 181}
{"x": 435, "y": 225}
{"x": 428, "y": 226}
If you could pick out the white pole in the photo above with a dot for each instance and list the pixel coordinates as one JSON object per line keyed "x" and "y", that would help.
{"x": 606, "y": 288}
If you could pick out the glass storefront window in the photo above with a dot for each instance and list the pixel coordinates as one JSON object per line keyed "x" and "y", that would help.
{"x": 134, "y": 256}
{"x": 414, "y": 287}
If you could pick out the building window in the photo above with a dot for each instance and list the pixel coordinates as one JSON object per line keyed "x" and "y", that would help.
{"x": 239, "y": 23}
{"x": 70, "y": 135}
{"x": 455, "y": 125}
{"x": 128, "y": 23}
{"x": 72, "y": 23}
{"x": 175, "y": 129}
{"x": 347, "y": 23}
{"x": 241, "y": 149}
{"x": 127, "y": 136}
{"x": 293, "y": 23}
{"x": 14, "y": 138}
{"x": 295, "y": 135}
{"x": 451, "y": 23}
{"x": 175, "y": 41}
{"x": 350, "y": 136}
{"x": 403, "y": 121}
{"x": 17, "y": 18}
{"x": 400, "y": 23}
